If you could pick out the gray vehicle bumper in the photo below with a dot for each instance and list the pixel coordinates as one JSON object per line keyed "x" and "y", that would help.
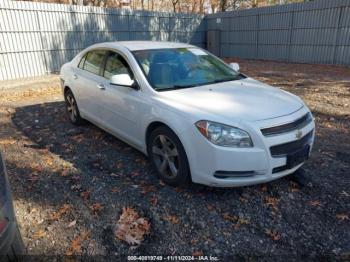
{"x": 11, "y": 244}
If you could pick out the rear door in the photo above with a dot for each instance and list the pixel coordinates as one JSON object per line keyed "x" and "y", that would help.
{"x": 86, "y": 79}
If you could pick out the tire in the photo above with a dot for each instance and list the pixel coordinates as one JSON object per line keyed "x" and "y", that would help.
{"x": 168, "y": 157}
{"x": 72, "y": 109}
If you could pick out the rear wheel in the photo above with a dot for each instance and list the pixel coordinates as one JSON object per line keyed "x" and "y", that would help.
{"x": 168, "y": 157}
{"x": 72, "y": 108}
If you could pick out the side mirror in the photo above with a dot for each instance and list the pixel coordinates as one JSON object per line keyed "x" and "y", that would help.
{"x": 123, "y": 80}
{"x": 235, "y": 66}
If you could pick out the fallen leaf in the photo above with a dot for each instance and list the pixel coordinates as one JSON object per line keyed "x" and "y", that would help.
{"x": 273, "y": 234}
{"x": 76, "y": 244}
{"x": 243, "y": 221}
{"x": 7, "y": 141}
{"x": 75, "y": 247}
{"x": 229, "y": 217}
{"x": 48, "y": 160}
{"x": 272, "y": 202}
{"x": 342, "y": 216}
{"x": 96, "y": 208}
{"x": 39, "y": 234}
{"x": 315, "y": 203}
{"x": 63, "y": 210}
{"x": 115, "y": 190}
{"x": 194, "y": 241}
{"x": 131, "y": 228}
{"x": 172, "y": 219}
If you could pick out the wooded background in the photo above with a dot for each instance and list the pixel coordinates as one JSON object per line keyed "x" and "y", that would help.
{"x": 187, "y": 6}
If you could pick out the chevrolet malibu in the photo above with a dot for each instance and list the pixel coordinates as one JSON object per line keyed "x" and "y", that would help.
{"x": 197, "y": 118}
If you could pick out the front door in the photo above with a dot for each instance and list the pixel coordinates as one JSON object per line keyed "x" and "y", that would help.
{"x": 121, "y": 106}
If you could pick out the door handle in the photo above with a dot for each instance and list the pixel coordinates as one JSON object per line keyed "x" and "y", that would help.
{"x": 75, "y": 76}
{"x": 101, "y": 86}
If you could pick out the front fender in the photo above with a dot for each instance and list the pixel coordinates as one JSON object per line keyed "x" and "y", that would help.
{"x": 174, "y": 120}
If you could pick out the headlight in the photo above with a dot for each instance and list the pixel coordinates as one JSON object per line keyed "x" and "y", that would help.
{"x": 223, "y": 135}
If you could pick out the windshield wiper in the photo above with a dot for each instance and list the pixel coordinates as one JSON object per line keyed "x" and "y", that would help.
{"x": 175, "y": 87}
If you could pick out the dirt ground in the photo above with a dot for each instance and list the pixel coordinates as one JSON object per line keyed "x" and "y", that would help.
{"x": 71, "y": 183}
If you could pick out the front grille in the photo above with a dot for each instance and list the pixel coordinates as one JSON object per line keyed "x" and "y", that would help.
{"x": 290, "y": 147}
{"x": 297, "y": 124}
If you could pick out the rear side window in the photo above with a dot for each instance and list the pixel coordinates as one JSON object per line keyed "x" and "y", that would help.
{"x": 81, "y": 63}
{"x": 93, "y": 61}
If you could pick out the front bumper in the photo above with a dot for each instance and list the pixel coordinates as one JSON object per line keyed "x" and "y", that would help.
{"x": 232, "y": 167}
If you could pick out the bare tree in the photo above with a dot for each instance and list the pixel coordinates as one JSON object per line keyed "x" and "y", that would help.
{"x": 174, "y": 2}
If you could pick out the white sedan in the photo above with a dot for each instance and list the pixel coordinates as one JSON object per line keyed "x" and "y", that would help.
{"x": 197, "y": 118}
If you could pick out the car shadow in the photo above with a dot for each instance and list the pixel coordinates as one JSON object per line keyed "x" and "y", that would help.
{"x": 88, "y": 148}
{"x": 93, "y": 151}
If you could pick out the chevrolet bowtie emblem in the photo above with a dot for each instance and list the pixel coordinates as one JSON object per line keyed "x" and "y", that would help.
{"x": 298, "y": 134}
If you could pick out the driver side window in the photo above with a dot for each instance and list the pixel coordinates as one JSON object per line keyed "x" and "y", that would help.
{"x": 116, "y": 65}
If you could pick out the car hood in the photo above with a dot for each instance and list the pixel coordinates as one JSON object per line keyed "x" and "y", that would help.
{"x": 245, "y": 99}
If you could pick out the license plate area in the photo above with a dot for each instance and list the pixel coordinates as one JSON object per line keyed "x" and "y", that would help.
{"x": 298, "y": 157}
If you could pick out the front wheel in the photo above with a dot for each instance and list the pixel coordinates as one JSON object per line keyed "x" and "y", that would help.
{"x": 168, "y": 157}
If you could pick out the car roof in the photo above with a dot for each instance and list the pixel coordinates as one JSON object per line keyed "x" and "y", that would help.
{"x": 144, "y": 45}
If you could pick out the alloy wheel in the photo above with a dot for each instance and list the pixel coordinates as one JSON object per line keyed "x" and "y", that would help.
{"x": 166, "y": 156}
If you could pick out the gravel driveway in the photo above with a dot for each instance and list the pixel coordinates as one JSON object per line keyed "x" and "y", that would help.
{"x": 71, "y": 183}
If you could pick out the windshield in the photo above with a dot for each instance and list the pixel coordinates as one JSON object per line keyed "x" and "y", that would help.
{"x": 167, "y": 69}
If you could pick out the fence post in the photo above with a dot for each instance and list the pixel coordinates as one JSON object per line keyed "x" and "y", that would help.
{"x": 336, "y": 38}
{"x": 257, "y": 36}
{"x": 291, "y": 26}
{"x": 43, "y": 49}
{"x": 169, "y": 23}
{"x": 129, "y": 24}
